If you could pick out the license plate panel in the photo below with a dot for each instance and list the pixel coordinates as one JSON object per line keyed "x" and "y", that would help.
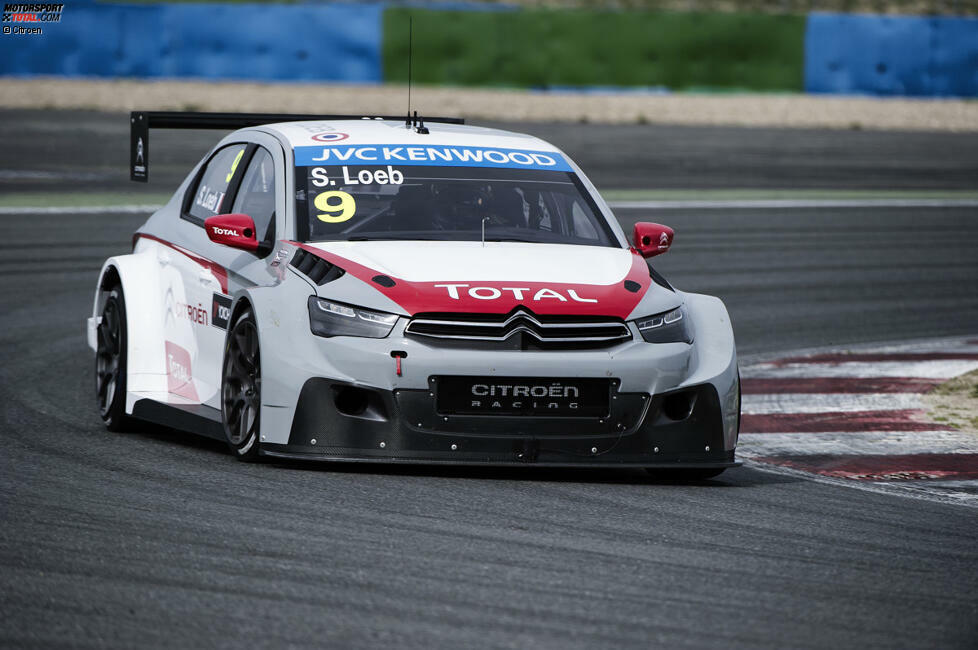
{"x": 522, "y": 396}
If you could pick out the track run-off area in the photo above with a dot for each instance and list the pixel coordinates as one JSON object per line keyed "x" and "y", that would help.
{"x": 834, "y": 533}
{"x": 859, "y": 414}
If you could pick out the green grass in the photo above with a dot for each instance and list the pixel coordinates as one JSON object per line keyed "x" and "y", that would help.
{"x": 544, "y": 48}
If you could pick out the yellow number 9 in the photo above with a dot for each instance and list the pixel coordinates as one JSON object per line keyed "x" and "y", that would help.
{"x": 234, "y": 166}
{"x": 346, "y": 207}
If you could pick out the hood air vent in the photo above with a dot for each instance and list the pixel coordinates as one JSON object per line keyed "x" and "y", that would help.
{"x": 315, "y": 268}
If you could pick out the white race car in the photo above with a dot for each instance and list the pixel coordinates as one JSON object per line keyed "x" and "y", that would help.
{"x": 381, "y": 290}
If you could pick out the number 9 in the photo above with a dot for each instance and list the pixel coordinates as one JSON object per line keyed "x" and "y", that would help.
{"x": 346, "y": 207}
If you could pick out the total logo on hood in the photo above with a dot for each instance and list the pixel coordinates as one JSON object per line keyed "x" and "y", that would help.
{"x": 466, "y": 277}
{"x": 519, "y": 293}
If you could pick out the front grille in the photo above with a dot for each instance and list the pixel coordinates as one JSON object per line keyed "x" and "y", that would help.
{"x": 523, "y": 325}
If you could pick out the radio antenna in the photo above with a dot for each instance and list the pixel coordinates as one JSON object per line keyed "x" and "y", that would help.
{"x": 407, "y": 120}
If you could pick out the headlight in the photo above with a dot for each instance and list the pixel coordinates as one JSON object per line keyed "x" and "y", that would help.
{"x": 327, "y": 318}
{"x": 670, "y": 327}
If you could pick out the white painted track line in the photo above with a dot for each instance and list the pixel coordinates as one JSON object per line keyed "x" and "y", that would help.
{"x": 841, "y": 443}
{"x": 938, "y": 369}
{"x": 719, "y": 204}
{"x": 953, "y": 345}
{"x": 87, "y": 209}
{"x": 956, "y": 492}
{"x": 781, "y": 204}
{"x": 828, "y": 402}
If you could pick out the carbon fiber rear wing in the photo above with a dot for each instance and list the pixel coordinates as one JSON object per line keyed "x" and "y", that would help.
{"x": 141, "y": 122}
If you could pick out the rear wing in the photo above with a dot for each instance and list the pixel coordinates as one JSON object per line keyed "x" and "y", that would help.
{"x": 141, "y": 122}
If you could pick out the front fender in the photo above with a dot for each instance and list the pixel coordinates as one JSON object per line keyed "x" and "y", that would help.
{"x": 714, "y": 358}
{"x": 282, "y": 316}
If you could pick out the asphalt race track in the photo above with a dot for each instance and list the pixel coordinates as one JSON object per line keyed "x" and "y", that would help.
{"x": 159, "y": 539}
{"x": 88, "y": 151}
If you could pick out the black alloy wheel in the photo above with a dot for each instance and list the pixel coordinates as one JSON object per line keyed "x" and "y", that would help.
{"x": 110, "y": 362}
{"x": 241, "y": 388}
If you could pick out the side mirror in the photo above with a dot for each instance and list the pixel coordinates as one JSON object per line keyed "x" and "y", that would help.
{"x": 651, "y": 239}
{"x": 234, "y": 230}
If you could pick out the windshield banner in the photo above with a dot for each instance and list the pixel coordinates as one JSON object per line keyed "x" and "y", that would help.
{"x": 430, "y": 155}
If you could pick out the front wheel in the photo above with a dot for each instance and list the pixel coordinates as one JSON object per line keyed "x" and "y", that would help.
{"x": 241, "y": 388}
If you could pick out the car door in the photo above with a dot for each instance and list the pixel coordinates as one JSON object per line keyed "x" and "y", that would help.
{"x": 195, "y": 337}
{"x": 255, "y": 195}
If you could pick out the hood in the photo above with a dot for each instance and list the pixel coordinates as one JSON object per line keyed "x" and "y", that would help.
{"x": 467, "y": 277}
{"x": 467, "y": 261}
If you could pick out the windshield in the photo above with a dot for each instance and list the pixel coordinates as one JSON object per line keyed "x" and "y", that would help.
{"x": 452, "y": 203}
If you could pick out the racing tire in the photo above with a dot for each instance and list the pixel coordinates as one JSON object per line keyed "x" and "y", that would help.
{"x": 241, "y": 388}
{"x": 740, "y": 405}
{"x": 110, "y": 363}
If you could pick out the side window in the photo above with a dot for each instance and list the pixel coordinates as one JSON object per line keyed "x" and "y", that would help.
{"x": 256, "y": 196}
{"x": 209, "y": 196}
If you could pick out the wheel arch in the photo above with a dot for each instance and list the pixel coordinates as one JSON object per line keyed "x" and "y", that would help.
{"x": 137, "y": 275}
{"x": 281, "y": 316}
{"x": 240, "y": 305}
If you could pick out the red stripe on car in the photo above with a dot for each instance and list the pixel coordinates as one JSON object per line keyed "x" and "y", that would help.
{"x": 491, "y": 297}
{"x": 219, "y": 271}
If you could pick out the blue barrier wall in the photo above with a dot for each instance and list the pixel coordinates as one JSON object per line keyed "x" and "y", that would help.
{"x": 891, "y": 55}
{"x": 867, "y": 54}
{"x": 322, "y": 42}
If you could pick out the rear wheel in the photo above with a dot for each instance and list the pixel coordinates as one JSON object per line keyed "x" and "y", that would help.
{"x": 110, "y": 362}
{"x": 241, "y": 388}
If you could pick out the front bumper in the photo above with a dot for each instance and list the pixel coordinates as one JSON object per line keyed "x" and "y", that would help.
{"x": 682, "y": 428}
{"x": 301, "y": 372}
